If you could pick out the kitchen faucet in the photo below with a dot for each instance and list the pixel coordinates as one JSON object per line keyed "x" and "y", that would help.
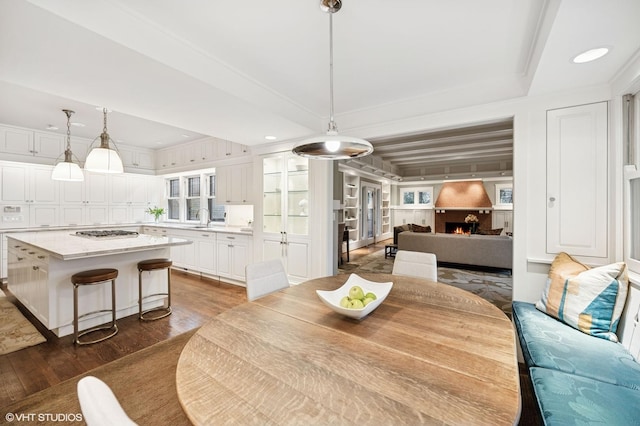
{"x": 208, "y": 218}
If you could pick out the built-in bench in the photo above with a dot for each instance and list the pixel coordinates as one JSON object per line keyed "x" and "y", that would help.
{"x": 577, "y": 378}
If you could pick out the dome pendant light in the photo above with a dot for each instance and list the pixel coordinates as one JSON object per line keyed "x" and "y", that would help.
{"x": 104, "y": 159}
{"x": 332, "y": 146}
{"x": 67, "y": 170}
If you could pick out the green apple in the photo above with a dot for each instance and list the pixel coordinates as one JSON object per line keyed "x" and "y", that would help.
{"x": 367, "y": 300}
{"x": 344, "y": 302}
{"x": 370, "y": 296}
{"x": 356, "y": 304}
{"x": 356, "y": 292}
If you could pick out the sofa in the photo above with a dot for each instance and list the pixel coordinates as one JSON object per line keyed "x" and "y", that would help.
{"x": 577, "y": 378}
{"x": 494, "y": 251}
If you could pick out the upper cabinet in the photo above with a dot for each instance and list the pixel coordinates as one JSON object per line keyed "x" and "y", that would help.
{"x": 134, "y": 158}
{"x": 200, "y": 153}
{"x": 577, "y": 180}
{"x": 234, "y": 184}
{"x": 23, "y": 142}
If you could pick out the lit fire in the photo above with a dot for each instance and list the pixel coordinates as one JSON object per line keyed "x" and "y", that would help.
{"x": 459, "y": 230}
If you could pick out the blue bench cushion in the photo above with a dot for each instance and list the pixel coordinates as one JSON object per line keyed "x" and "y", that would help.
{"x": 549, "y": 343}
{"x": 567, "y": 399}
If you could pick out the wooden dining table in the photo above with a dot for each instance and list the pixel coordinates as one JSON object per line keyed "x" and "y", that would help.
{"x": 431, "y": 353}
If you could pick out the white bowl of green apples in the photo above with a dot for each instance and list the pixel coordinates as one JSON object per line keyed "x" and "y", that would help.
{"x": 357, "y": 297}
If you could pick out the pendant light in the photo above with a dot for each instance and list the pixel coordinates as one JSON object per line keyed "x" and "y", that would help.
{"x": 104, "y": 159}
{"x": 67, "y": 170}
{"x": 332, "y": 146}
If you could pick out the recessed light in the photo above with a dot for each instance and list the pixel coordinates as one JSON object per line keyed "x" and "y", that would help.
{"x": 590, "y": 55}
{"x": 270, "y": 138}
{"x": 51, "y": 127}
{"x": 77, "y": 124}
{"x": 184, "y": 135}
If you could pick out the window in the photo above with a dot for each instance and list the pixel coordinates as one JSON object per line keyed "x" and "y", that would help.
{"x": 216, "y": 212}
{"x": 504, "y": 194}
{"x": 173, "y": 199}
{"x": 193, "y": 197}
{"x": 417, "y": 197}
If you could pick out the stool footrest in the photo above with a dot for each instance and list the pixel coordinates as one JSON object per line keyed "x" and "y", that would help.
{"x": 165, "y": 309}
{"x": 77, "y": 340}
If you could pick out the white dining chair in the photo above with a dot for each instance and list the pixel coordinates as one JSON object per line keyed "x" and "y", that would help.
{"x": 416, "y": 264}
{"x": 264, "y": 278}
{"x": 99, "y": 405}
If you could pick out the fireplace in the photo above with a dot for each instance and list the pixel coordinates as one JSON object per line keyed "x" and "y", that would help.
{"x": 452, "y": 221}
{"x": 457, "y": 228}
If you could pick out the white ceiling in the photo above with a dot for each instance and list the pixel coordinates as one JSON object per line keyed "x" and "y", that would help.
{"x": 245, "y": 69}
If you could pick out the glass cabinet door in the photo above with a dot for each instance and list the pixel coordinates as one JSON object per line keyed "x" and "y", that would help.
{"x": 297, "y": 195}
{"x": 272, "y": 194}
{"x": 286, "y": 194}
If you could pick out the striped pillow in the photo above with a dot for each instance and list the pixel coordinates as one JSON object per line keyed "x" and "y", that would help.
{"x": 590, "y": 300}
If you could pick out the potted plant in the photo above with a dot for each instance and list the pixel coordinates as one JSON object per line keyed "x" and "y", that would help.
{"x": 156, "y": 212}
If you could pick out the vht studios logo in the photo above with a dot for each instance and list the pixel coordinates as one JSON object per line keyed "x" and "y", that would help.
{"x": 43, "y": 417}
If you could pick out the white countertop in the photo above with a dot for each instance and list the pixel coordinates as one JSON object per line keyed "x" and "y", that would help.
{"x": 210, "y": 228}
{"x": 66, "y": 245}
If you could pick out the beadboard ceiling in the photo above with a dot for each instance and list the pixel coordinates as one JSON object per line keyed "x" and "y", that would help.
{"x": 178, "y": 71}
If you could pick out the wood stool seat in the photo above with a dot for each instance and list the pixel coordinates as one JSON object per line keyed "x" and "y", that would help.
{"x": 153, "y": 264}
{"x": 92, "y": 277}
{"x": 148, "y": 266}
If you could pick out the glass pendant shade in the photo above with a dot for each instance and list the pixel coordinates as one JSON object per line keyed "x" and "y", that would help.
{"x": 67, "y": 170}
{"x": 104, "y": 159}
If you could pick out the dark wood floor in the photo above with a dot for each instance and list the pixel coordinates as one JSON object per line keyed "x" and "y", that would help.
{"x": 194, "y": 300}
{"x": 29, "y": 370}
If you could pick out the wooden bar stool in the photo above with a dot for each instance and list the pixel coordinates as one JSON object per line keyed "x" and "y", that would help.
{"x": 92, "y": 277}
{"x": 154, "y": 265}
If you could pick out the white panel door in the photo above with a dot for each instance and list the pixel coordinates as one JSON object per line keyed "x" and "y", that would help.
{"x": 577, "y": 180}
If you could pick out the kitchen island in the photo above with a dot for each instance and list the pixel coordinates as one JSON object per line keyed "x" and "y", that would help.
{"x": 40, "y": 266}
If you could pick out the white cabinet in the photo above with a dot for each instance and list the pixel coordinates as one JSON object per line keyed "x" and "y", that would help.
{"x": 233, "y": 255}
{"x": 502, "y": 219}
{"x": 17, "y": 141}
{"x": 31, "y": 188}
{"x": 49, "y": 145}
{"x": 234, "y": 184}
{"x": 85, "y": 203}
{"x": 27, "y": 183}
{"x": 130, "y": 197}
{"x": 577, "y": 148}
{"x": 228, "y": 149}
{"x": 198, "y": 256}
{"x": 137, "y": 158}
{"x": 205, "y": 249}
{"x": 286, "y": 213}
{"x": 29, "y": 280}
{"x": 169, "y": 158}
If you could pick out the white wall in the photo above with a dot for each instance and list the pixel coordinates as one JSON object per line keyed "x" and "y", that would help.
{"x": 531, "y": 262}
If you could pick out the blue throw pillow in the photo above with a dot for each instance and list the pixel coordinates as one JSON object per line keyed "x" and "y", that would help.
{"x": 592, "y": 301}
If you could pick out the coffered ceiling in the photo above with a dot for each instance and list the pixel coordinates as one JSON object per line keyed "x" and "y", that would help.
{"x": 177, "y": 71}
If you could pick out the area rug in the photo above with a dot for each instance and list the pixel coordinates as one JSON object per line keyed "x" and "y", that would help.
{"x": 16, "y": 332}
{"x": 144, "y": 383}
{"x": 492, "y": 285}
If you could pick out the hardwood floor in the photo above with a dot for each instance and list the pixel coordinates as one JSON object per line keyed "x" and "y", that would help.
{"x": 194, "y": 301}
